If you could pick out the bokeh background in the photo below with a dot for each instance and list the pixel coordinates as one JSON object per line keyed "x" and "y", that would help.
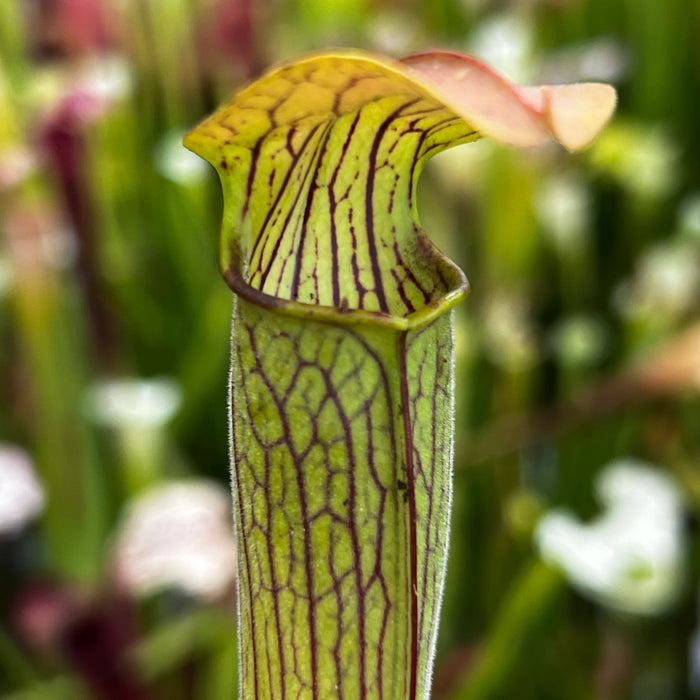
{"x": 575, "y": 564}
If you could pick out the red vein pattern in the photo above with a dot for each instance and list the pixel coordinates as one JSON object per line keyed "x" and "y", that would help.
{"x": 341, "y": 385}
{"x": 343, "y": 519}
{"x": 337, "y": 178}
{"x": 341, "y": 427}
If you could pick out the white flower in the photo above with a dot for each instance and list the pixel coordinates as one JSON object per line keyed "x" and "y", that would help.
{"x": 505, "y": 42}
{"x": 177, "y": 535}
{"x": 394, "y": 31}
{"x": 106, "y": 77}
{"x": 175, "y": 162}
{"x": 562, "y": 205}
{"x": 508, "y": 334}
{"x": 604, "y": 59}
{"x": 136, "y": 403}
{"x": 21, "y": 493}
{"x": 666, "y": 283}
{"x": 580, "y": 340}
{"x": 631, "y": 557}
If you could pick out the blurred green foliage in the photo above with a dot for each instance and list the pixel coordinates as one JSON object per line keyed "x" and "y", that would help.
{"x": 581, "y": 267}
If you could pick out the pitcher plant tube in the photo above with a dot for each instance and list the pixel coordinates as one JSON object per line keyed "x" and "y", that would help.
{"x": 342, "y": 377}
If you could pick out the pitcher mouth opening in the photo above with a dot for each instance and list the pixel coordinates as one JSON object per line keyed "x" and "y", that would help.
{"x": 457, "y": 290}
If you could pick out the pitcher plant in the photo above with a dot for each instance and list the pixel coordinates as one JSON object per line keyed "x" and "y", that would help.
{"x": 342, "y": 371}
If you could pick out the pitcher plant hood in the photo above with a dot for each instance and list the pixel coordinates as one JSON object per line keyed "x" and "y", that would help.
{"x": 319, "y": 160}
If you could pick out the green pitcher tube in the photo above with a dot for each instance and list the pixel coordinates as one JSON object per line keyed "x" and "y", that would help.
{"x": 342, "y": 500}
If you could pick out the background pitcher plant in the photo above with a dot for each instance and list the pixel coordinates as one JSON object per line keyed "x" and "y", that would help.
{"x": 342, "y": 354}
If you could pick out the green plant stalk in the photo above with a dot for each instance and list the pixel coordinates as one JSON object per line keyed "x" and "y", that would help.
{"x": 532, "y": 596}
{"x": 342, "y": 362}
{"x": 12, "y": 45}
{"x": 47, "y": 315}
